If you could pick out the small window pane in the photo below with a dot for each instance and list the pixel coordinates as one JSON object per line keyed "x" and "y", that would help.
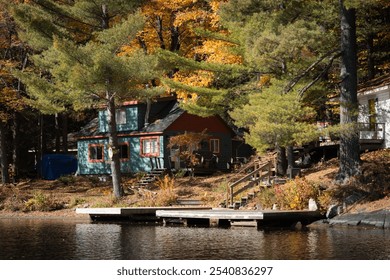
{"x": 124, "y": 151}
{"x": 120, "y": 116}
{"x": 95, "y": 152}
{"x": 214, "y": 145}
{"x": 150, "y": 147}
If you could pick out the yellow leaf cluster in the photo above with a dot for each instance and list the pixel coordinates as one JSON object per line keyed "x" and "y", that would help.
{"x": 163, "y": 17}
{"x": 196, "y": 79}
{"x": 198, "y": 16}
{"x": 218, "y": 51}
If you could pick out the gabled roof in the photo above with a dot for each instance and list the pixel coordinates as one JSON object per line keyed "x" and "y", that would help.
{"x": 168, "y": 114}
{"x": 163, "y": 118}
{"x": 374, "y": 84}
{"x": 161, "y": 125}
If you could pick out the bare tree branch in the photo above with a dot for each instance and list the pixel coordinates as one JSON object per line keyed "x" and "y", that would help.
{"x": 291, "y": 85}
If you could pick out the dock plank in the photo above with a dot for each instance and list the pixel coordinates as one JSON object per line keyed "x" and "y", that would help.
{"x": 262, "y": 218}
{"x": 131, "y": 212}
{"x": 212, "y": 214}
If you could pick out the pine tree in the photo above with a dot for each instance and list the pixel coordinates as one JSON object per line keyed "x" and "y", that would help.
{"x": 284, "y": 43}
{"x": 12, "y": 54}
{"x": 349, "y": 140}
{"x": 83, "y": 61}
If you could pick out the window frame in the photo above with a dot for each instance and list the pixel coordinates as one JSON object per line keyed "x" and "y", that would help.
{"x": 121, "y": 116}
{"x": 120, "y": 145}
{"x": 154, "y": 153}
{"x": 212, "y": 145}
{"x": 96, "y": 146}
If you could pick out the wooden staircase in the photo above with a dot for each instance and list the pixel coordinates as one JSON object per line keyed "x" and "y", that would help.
{"x": 253, "y": 175}
{"x": 157, "y": 171}
{"x": 151, "y": 177}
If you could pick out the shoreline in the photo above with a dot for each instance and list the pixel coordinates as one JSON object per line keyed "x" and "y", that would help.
{"x": 374, "y": 219}
{"x": 65, "y": 215}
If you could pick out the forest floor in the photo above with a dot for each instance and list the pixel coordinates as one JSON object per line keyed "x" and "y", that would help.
{"x": 60, "y": 198}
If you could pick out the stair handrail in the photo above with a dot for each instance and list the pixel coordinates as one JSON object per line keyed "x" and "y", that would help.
{"x": 258, "y": 168}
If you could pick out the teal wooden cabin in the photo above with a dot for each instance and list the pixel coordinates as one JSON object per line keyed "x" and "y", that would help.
{"x": 144, "y": 132}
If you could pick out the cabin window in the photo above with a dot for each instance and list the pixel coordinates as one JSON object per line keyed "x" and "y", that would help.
{"x": 372, "y": 103}
{"x": 214, "y": 146}
{"x": 96, "y": 152}
{"x": 124, "y": 153}
{"x": 150, "y": 147}
{"x": 120, "y": 116}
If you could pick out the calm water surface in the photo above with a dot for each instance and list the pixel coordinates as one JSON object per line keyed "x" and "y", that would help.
{"x": 61, "y": 240}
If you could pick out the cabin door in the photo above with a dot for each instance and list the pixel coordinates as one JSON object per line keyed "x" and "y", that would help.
{"x": 175, "y": 158}
{"x": 372, "y": 113}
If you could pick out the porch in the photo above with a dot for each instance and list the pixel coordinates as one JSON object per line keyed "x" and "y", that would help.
{"x": 371, "y": 135}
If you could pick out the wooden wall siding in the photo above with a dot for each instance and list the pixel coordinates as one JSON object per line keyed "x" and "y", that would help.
{"x": 188, "y": 122}
{"x": 382, "y": 98}
{"x": 139, "y": 163}
{"x": 87, "y": 167}
{"x": 135, "y": 163}
{"x": 226, "y": 147}
{"x": 132, "y": 120}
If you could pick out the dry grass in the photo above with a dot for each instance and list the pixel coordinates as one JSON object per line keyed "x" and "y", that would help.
{"x": 65, "y": 194}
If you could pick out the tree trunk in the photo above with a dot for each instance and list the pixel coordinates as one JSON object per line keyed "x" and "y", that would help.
{"x": 290, "y": 160}
{"x": 370, "y": 57}
{"x": 64, "y": 129}
{"x": 349, "y": 141}
{"x": 113, "y": 147}
{"x": 281, "y": 161}
{"x": 15, "y": 147}
{"x": 3, "y": 154}
{"x": 57, "y": 132}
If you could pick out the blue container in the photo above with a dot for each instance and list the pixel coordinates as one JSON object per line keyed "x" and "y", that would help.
{"x": 54, "y": 166}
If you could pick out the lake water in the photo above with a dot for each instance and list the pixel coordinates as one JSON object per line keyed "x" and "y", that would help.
{"x": 62, "y": 240}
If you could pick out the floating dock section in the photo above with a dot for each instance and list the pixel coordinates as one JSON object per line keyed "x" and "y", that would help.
{"x": 204, "y": 216}
{"x": 135, "y": 214}
{"x": 226, "y": 218}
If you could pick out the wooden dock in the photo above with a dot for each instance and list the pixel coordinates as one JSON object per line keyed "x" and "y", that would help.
{"x": 203, "y": 216}
{"x": 226, "y": 218}
{"x": 136, "y": 214}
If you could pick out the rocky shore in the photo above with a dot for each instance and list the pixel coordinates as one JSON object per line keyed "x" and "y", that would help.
{"x": 377, "y": 219}
{"x": 380, "y": 219}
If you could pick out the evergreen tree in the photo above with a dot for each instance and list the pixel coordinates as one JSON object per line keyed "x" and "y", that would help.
{"x": 84, "y": 62}
{"x": 12, "y": 54}
{"x": 349, "y": 140}
{"x": 284, "y": 43}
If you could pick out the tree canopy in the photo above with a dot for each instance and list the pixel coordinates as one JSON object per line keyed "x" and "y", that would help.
{"x": 273, "y": 67}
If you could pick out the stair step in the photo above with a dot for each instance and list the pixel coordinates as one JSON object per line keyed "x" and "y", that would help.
{"x": 189, "y": 202}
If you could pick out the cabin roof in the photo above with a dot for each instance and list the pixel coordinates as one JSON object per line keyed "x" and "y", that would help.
{"x": 161, "y": 119}
{"x": 373, "y": 84}
{"x": 161, "y": 125}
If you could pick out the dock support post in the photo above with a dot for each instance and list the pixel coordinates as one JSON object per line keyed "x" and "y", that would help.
{"x": 197, "y": 222}
{"x": 224, "y": 223}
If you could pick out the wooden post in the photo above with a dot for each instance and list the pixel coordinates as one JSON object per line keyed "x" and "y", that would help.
{"x": 269, "y": 172}
{"x": 231, "y": 195}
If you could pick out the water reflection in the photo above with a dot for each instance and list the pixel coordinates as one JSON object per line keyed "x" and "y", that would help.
{"x": 40, "y": 239}
{"x": 98, "y": 241}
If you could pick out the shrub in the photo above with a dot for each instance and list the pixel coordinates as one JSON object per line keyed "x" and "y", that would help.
{"x": 67, "y": 180}
{"x": 39, "y": 202}
{"x": 294, "y": 195}
{"x": 76, "y": 201}
{"x": 266, "y": 198}
{"x": 166, "y": 196}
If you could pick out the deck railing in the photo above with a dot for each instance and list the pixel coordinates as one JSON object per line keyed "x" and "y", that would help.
{"x": 254, "y": 173}
{"x": 371, "y": 132}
